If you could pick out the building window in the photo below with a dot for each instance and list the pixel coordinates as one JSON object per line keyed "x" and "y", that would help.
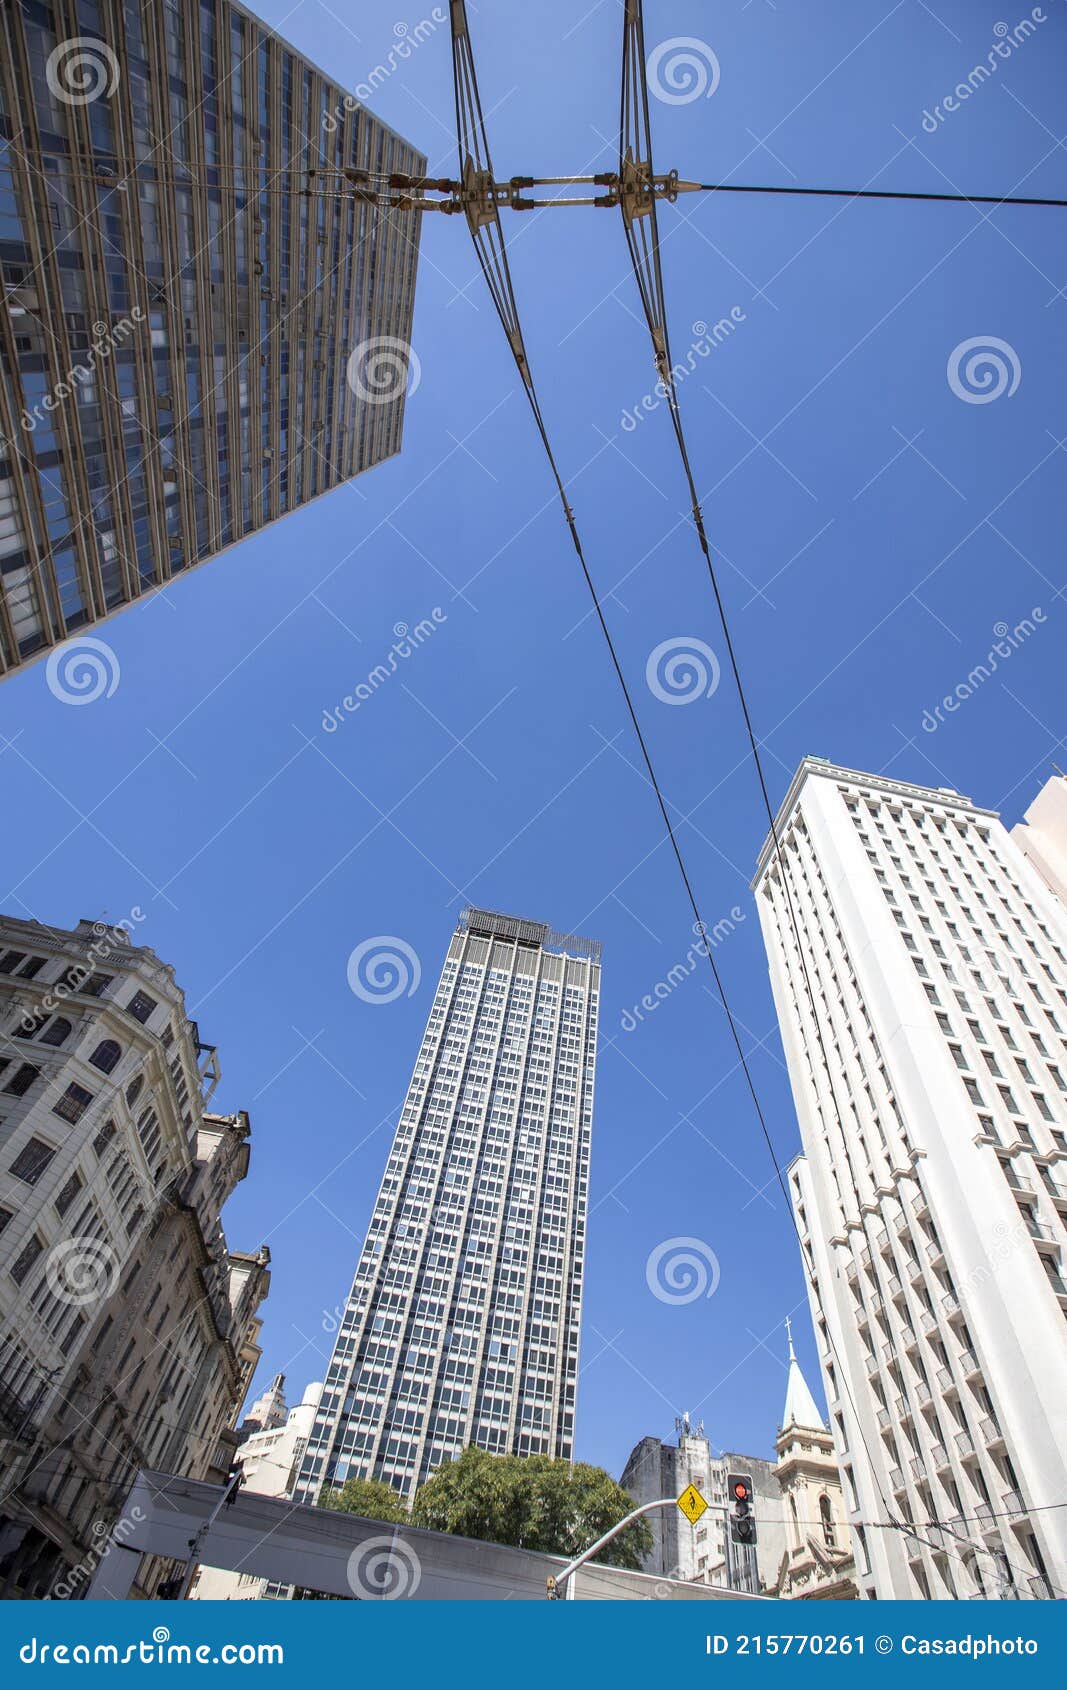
{"x": 22, "y": 1264}
{"x": 827, "y": 1519}
{"x": 22, "y": 1079}
{"x": 57, "y": 1032}
{"x": 141, "y": 1006}
{"x": 68, "y": 1193}
{"x": 106, "y": 1055}
{"x": 5, "y": 1216}
{"x": 32, "y": 1160}
{"x": 104, "y": 1137}
{"x": 73, "y": 1104}
{"x": 133, "y": 1090}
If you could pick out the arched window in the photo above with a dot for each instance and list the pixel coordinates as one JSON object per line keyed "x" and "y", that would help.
{"x": 133, "y": 1090}
{"x": 794, "y": 1522}
{"x": 57, "y": 1031}
{"x": 106, "y": 1055}
{"x": 827, "y": 1518}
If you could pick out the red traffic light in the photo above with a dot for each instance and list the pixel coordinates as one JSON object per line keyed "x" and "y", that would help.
{"x": 741, "y": 1490}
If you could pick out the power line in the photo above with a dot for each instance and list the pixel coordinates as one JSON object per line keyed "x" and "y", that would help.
{"x": 872, "y": 194}
{"x": 481, "y": 209}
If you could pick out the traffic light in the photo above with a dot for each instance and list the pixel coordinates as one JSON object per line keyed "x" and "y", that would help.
{"x": 742, "y": 1520}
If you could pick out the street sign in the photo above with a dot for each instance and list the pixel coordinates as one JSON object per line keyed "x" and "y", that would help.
{"x": 692, "y": 1503}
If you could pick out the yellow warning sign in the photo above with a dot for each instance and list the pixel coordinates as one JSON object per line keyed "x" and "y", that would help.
{"x": 692, "y": 1503}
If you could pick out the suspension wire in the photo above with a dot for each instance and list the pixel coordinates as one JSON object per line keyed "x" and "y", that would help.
{"x": 635, "y": 147}
{"x": 872, "y": 194}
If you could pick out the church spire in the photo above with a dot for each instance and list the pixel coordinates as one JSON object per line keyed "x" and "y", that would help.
{"x": 800, "y": 1409}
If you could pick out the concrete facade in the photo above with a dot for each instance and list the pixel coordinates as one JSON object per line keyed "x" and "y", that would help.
{"x": 128, "y": 1328}
{"x": 270, "y": 1457}
{"x": 1042, "y": 835}
{"x": 462, "y": 1325}
{"x": 930, "y": 1082}
{"x": 704, "y": 1552}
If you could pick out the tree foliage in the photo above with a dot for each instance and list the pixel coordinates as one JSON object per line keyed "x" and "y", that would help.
{"x": 531, "y": 1502}
{"x": 369, "y": 1497}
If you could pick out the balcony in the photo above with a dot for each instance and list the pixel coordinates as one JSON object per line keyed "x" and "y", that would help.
{"x": 983, "y": 1513}
{"x": 951, "y": 1307}
{"x": 1044, "y": 1237}
{"x": 896, "y": 1480}
{"x": 923, "y": 1393}
{"x": 934, "y": 1253}
{"x": 964, "y": 1444}
{"x": 939, "y": 1455}
{"x": 1012, "y": 1503}
{"x": 918, "y": 1468}
{"x": 970, "y": 1366}
{"x": 884, "y": 1420}
{"x": 870, "y": 1364}
{"x": 991, "y": 1432}
{"x": 928, "y": 1321}
{"x": 895, "y": 1287}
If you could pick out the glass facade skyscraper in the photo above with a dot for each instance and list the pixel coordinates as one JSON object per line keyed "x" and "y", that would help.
{"x": 183, "y": 298}
{"x": 462, "y": 1325}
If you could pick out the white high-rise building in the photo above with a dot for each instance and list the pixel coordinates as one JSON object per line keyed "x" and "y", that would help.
{"x": 462, "y": 1324}
{"x": 1042, "y": 834}
{"x": 932, "y": 1191}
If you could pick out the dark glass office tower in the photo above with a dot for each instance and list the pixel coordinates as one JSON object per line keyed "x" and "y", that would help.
{"x": 193, "y": 327}
{"x": 462, "y": 1325}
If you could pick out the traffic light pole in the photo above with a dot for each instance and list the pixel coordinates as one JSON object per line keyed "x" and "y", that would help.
{"x": 556, "y": 1582}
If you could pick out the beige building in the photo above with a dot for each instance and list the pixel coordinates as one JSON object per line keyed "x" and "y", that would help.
{"x": 128, "y": 1329}
{"x": 1042, "y": 835}
{"x": 817, "y": 1561}
{"x": 270, "y": 1456}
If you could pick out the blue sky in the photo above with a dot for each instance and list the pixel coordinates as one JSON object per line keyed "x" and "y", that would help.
{"x": 874, "y": 529}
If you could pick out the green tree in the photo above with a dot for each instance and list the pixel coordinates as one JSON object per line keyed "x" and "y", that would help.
{"x": 531, "y": 1502}
{"x": 369, "y": 1497}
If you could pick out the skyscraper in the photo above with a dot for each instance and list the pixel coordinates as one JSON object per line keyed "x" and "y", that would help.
{"x": 931, "y": 1087}
{"x": 198, "y": 334}
{"x": 462, "y": 1325}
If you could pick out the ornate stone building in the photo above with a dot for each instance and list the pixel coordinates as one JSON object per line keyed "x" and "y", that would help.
{"x": 128, "y": 1328}
{"x": 817, "y": 1561}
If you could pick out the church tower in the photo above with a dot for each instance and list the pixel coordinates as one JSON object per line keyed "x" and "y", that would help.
{"x": 817, "y": 1563}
